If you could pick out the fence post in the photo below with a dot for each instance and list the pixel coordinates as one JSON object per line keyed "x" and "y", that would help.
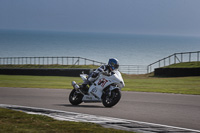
{"x": 78, "y": 60}
{"x": 22, "y": 61}
{"x": 34, "y": 60}
{"x": 150, "y": 68}
{"x": 30, "y": 60}
{"x": 181, "y": 57}
{"x": 39, "y": 60}
{"x": 198, "y": 56}
{"x": 26, "y": 60}
{"x": 128, "y": 69}
{"x": 174, "y": 58}
{"x": 7, "y": 62}
{"x": 62, "y": 60}
{"x": 164, "y": 62}
{"x": 43, "y": 60}
{"x": 47, "y": 60}
{"x": 189, "y": 56}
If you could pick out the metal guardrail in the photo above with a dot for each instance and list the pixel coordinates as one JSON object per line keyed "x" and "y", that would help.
{"x": 133, "y": 69}
{"x": 48, "y": 61}
{"x": 173, "y": 59}
{"x": 128, "y": 69}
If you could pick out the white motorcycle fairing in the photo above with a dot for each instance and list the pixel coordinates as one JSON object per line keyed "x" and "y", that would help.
{"x": 106, "y": 89}
{"x": 115, "y": 81}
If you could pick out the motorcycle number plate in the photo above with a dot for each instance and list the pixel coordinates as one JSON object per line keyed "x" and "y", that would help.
{"x": 102, "y": 82}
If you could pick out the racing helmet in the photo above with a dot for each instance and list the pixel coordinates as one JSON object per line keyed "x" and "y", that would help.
{"x": 113, "y": 63}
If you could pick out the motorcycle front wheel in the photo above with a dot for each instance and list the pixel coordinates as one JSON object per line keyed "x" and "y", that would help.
{"x": 109, "y": 101}
{"x": 75, "y": 98}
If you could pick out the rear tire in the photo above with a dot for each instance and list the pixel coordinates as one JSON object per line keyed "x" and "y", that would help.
{"x": 109, "y": 101}
{"x": 75, "y": 98}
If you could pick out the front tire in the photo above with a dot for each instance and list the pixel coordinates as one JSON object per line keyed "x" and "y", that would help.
{"x": 75, "y": 98}
{"x": 109, "y": 101}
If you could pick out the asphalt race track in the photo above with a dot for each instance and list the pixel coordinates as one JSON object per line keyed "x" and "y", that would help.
{"x": 167, "y": 109}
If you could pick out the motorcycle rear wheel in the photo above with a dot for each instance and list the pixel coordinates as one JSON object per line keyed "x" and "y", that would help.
{"x": 75, "y": 98}
{"x": 109, "y": 101}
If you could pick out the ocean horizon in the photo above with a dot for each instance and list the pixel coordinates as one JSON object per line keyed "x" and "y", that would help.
{"x": 129, "y": 49}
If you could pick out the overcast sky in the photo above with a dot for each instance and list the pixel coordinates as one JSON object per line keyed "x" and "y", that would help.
{"x": 121, "y": 16}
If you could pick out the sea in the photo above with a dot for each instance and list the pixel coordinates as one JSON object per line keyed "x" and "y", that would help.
{"x": 129, "y": 49}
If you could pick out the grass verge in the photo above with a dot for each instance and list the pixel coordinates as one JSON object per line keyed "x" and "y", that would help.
{"x": 15, "y": 122}
{"x": 141, "y": 83}
{"x": 54, "y": 82}
{"x": 177, "y": 85}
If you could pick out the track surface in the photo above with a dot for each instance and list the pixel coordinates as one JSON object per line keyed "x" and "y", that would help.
{"x": 168, "y": 109}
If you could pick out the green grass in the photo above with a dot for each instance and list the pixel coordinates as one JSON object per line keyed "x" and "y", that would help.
{"x": 54, "y": 82}
{"x": 141, "y": 83}
{"x": 20, "y": 122}
{"x": 178, "y": 85}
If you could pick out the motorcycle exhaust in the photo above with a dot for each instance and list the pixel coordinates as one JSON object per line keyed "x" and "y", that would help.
{"x": 75, "y": 85}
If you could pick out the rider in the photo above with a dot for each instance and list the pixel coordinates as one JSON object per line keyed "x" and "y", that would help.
{"x": 112, "y": 65}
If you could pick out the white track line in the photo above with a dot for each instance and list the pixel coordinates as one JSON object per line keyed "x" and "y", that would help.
{"x": 80, "y": 117}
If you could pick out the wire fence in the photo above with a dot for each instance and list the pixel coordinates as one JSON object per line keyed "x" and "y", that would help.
{"x": 48, "y": 61}
{"x": 173, "y": 59}
{"x": 133, "y": 69}
{"x": 128, "y": 69}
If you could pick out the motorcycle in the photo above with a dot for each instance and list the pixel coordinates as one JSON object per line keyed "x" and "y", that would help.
{"x": 106, "y": 89}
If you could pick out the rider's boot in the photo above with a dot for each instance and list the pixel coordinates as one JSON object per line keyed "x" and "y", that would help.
{"x": 84, "y": 88}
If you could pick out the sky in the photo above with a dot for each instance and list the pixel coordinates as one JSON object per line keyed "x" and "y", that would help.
{"x": 180, "y": 17}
